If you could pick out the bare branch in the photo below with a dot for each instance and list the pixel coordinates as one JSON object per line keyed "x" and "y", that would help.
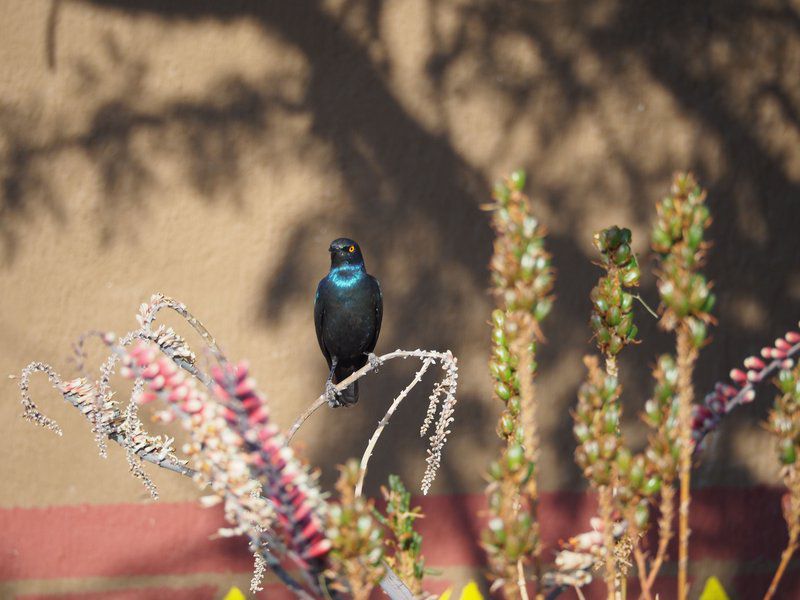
{"x": 385, "y": 421}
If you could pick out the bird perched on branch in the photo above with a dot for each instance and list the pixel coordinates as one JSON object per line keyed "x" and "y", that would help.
{"x": 347, "y": 316}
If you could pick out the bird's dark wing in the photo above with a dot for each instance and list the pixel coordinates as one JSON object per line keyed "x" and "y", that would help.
{"x": 377, "y": 300}
{"x": 319, "y": 317}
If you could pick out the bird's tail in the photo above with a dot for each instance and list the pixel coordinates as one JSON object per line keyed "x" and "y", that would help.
{"x": 350, "y": 394}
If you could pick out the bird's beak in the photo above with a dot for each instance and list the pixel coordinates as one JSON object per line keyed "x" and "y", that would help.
{"x": 331, "y": 249}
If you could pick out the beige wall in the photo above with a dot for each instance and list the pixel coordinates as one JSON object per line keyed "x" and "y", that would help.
{"x": 211, "y": 150}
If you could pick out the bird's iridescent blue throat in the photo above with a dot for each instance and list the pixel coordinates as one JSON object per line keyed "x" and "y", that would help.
{"x": 347, "y": 275}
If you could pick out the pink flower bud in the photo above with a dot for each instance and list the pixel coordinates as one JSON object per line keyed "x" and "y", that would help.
{"x": 259, "y": 415}
{"x": 179, "y": 392}
{"x": 192, "y": 405}
{"x": 157, "y": 383}
{"x": 738, "y": 375}
{"x": 302, "y": 512}
{"x": 321, "y": 548}
{"x": 753, "y": 362}
{"x": 244, "y": 387}
{"x": 753, "y": 376}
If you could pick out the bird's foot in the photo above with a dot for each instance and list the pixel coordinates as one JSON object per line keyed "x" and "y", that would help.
{"x": 374, "y": 361}
{"x": 332, "y": 395}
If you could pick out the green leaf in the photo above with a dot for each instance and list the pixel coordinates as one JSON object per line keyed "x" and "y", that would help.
{"x": 713, "y": 590}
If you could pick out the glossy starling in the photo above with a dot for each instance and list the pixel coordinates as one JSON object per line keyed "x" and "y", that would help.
{"x": 347, "y": 316}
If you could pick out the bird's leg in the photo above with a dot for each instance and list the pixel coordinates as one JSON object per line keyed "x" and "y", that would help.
{"x": 331, "y": 393}
{"x": 374, "y": 361}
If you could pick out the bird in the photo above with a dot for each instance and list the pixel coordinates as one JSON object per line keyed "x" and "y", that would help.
{"x": 348, "y": 310}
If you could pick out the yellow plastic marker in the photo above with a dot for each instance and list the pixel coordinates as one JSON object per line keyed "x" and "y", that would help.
{"x": 234, "y": 594}
{"x": 713, "y": 590}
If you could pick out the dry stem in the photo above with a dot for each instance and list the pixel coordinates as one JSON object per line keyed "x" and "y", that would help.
{"x": 523, "y": 590}
{"x": 385, "y": 421}
{"x": 319, "y": 402}
{"x": 606, "y": 514}
{"x": 791, "y": 547}
{"x": 641, "y": 568}
{"x": 664, "y": 533}
{"x": 686, "y": 359}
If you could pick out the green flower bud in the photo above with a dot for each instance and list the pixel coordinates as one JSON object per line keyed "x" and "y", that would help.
{"x": 698, "y": 331}
{"x": 542, "y": 309}
{"x": 498, "y": 318}
{"x": 661, "y": 240}
{"x": 695, "y": 236}
{"x": 787, "y": 451}
{"x": 582, "y": 432}
{"x": 502, "y": 390}
{"x": 642, "y": 515}
{"x": 518, "y": 179}
{"x": 615, "y": 345}
{"x": 637, "y": 474}
{"x": 630, "y": 277}
{"x": 786, "y": 381}
{"x": 627, "y": 302}
{"x": 622, "y": 254}
{"x": 652, "y": 486}
{"x": 624, "y": 460}
{"x": 498, "y": 336}
{"x": 502, "y": 353}
{"x": 514, "y": 457}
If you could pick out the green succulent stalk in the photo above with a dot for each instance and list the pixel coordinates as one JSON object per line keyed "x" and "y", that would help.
{"x": 627, "y": 482}
{"x": 612, "y": 317}
{"x": 686, "y": 303}
{"x": 784, "y": 424}
{"x": 522, "y": 281}
{"x": 405, "y": 544}
{"x": 598, "y": 415}
{"x": 356, "y": 557}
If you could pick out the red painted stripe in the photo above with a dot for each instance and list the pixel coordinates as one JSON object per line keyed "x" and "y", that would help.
{"x": 206, "y": 592}
{"x": 114, "y": 541}
{"x": 173, "y": 539}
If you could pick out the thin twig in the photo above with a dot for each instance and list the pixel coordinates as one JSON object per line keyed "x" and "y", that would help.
{"x": 523, "y": 590}
{"x": 686, "y": 358}
{"x": 641, "y": 570}
{"x": 650, "y": 310}
{"x": 385, "y": 421}
{"x": 608, "y": 539}
{"x": 530, "y": 434}
{"x": 321, "y": 400}
{"x": 664, "y": 532}
{"x": 786, "y": 556}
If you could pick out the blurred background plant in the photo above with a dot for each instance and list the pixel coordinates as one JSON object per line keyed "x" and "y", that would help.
{"x": 522, "y": 280}
{"x": 784, "y": 424}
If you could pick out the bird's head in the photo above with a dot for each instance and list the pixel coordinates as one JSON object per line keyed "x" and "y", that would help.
{"x": 345, "y": 251}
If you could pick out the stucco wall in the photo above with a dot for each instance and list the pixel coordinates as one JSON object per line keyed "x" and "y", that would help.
{"x": 211, "y": 150}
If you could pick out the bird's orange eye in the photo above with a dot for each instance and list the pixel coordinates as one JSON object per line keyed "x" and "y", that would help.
{"x": 351, "y": 249}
